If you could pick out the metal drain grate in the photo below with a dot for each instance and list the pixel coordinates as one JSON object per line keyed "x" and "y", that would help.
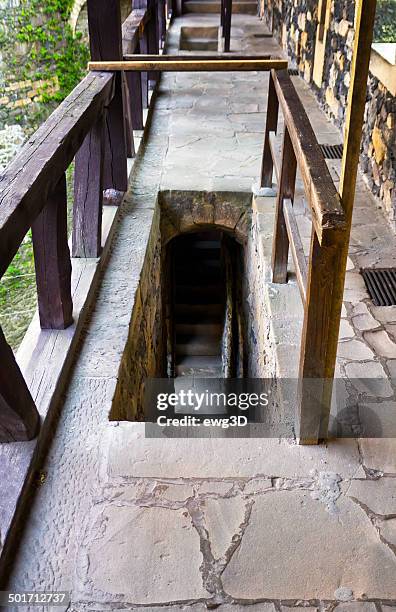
{"x": 332, "y": 151}
{"x": 381, "y": 285}
{"x": 293, "y": 72}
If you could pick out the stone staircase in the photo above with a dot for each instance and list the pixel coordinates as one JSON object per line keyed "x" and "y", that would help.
{"x": 199, "y": 303}
{"x": 246, "y": 7}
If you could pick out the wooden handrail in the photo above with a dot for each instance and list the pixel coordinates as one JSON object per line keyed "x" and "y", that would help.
{"x": 132, "y": 28}
{"x": 36, "y": 170}
{"x": 187, "y": 65}
{"x": 325, "y": 203}
{"x": 214, "y": 57}
{"x": 33, "y": 190}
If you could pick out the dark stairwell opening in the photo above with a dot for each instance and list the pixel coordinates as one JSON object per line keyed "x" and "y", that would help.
{"x": 205, "y": 323}
{"x": 191, "y": 313}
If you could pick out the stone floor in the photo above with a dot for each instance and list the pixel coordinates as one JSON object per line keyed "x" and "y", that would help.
{"x": 125, "y": 522}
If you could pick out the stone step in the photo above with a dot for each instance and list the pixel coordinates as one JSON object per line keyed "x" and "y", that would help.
{"x": 197, "y": 264}
{"x": 201, "y": 44}
{"x": 208, "y": 366}
{"x": 201, "y": 346}
{"x": 204, "y": 294}
{"x": 200, "y": 254}
{"x": 199, "y": 329}
{"x": 198, "y": 312}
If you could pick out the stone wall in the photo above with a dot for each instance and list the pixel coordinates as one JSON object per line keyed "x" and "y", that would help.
{"x": 40, "y": 60}
{"x": 338, "y": 55}
{"x": 295, "y": 24}
{"x": 144, "y": 355}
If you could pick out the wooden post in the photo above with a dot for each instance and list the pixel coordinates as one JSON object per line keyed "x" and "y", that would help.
{"x": 280, "y": 248}
{"x": 52, "y": 261}
{"x": 315, "y": 381}
{"x": 161, "y": 22}
{"x": 105, "y": 39}
{"x": 143, "y": 47}
{"x": 88, "y": 194}
{"x": 134, "y": 81}
{"x": 308, "y": 431}
{"x": 130, "y": 145}
{"x": 19, "y": 419}
{"x": 227, "y": 25}
{"x": 271, "y": 125}
{"x": 153, "y": 37}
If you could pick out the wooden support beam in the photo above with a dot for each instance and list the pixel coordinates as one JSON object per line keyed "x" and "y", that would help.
{"x": 280, "y": 247}
{"x": 296, "y": 247}
{"x": 34, "y": 173}
{"x": 52, "y": 261}
{"x": 271, "y": 126}
{"x": 105, "y": 40}
{"x": 88, "y": 194}
{"x": 313, "y": 420}
{"x": 19, "y": 419}
{"x": 203, "y": 65}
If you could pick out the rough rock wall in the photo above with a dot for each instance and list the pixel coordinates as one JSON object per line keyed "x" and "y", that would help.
{"x": 144, "y": 354}
{"x": 378, "y": 159}
{"x": 40, "y": 60}
{"x": 338, "y": 56}
{"x": 295, "y": 23}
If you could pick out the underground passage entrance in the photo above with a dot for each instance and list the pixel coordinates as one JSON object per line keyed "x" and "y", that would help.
{"x": 190, "y": 307}
{"x": 205, "y": 310}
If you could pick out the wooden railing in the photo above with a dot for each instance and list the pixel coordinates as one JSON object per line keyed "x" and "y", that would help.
{"x": 94, "y": 125}
{"x": 318, "y": 279}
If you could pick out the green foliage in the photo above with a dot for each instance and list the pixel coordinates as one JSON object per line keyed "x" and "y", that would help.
{"x": 385, "y": 23}
{"x": 52, "y": 48}
{"x": 38, "y": 43}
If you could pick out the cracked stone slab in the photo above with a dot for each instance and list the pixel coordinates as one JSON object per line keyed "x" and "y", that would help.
{"x": 127, "y": 453}
{"x": 378, "y": 495}
{"x": 379, "y": 454}
{"x": 381, "y": 343}
{"x": 356, "y": 606}
{"x": 388, "y": 531}
{"x": 344, "y": 549}
{"x": 194, "y": 607}
{"x": 223, "y": 519}
{"x": 151, "y": 546}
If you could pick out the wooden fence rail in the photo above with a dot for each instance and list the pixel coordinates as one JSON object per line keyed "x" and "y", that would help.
{"x": 317, "y": 279}
{"x": 94, "y": 126}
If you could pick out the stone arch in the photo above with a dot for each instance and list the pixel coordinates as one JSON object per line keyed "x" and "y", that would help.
{"x": 75, "y": 12}
{"x": 193, "y": 211}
